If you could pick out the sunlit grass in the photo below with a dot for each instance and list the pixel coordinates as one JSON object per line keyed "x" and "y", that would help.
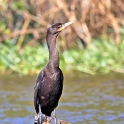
{"x": 100, "y": 56}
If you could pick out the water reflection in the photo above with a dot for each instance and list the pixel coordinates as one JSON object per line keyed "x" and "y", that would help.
{"x": 86, "y": 99}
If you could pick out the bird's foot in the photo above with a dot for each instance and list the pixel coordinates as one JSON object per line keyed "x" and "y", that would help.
{"x": 36, "y": 119}
{"x": 40, "y": 118}
{"x": 54, "y": 113}
{"x": 46, "y": 120}
{"x": 54, "y": 120}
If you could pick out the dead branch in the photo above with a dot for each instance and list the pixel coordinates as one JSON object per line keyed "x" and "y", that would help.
{"x": 93, "y": 19}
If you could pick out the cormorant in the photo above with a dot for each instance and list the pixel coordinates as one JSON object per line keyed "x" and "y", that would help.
{"x": 49, "y": 82}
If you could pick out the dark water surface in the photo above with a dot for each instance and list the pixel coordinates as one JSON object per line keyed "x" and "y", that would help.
{"x": 86, "y": 99}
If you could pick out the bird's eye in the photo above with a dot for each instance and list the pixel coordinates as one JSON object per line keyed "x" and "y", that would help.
{"x": 59, "y": 26}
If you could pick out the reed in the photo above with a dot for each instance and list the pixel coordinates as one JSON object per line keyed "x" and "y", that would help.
{"x": 26, "y": 21}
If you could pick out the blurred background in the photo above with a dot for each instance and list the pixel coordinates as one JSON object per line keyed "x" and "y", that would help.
{"x": 94, "y": 43}
{"x": 92, "y": 47}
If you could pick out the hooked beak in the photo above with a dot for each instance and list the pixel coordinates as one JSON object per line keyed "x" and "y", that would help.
{"x": 65, "y": 25}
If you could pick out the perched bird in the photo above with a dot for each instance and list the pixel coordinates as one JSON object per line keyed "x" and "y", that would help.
{"x": 49, "y": 82}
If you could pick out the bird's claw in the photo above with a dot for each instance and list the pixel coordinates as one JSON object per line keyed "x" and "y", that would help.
{"x": 36, "y": 119}
{"x": 54, "y": 113}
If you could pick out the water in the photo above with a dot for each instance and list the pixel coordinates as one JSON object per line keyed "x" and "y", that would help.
{"x": 86, "y": 99}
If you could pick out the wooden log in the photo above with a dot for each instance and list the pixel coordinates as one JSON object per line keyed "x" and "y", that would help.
{"x": 64, "y": 122}
{"x": 61, "y": 122}
{"x": 49, "y": 120}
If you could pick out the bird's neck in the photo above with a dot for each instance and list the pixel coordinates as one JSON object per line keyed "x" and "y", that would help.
{"x": 53, "y": 52}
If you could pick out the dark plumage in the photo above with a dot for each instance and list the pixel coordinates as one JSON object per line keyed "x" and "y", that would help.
{"x": 49, "y": 82}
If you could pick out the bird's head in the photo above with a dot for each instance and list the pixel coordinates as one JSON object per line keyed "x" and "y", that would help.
{"x": 58, "y": 27}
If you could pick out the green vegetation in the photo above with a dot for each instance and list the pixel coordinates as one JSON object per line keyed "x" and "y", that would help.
{"x": 25, "y": 22}
{"x": 100, "y": 56}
